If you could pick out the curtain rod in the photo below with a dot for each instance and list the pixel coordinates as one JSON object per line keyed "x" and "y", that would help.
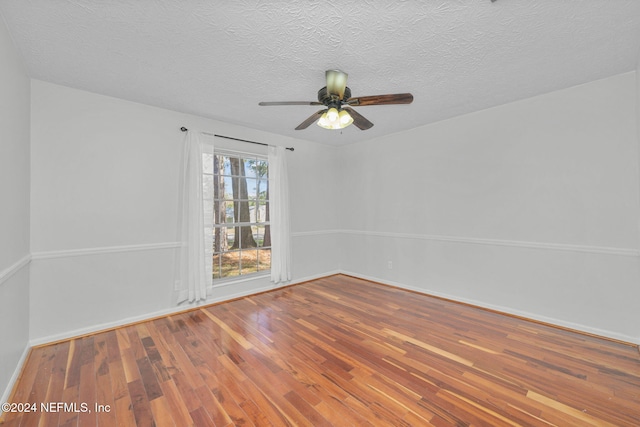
{"x": 184, "y": 129}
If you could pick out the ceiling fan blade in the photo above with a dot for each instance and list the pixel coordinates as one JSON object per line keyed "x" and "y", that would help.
{"x": 312, "y": 118}
{"x": 358, "y": 119}
{"x": 336, "y": 82}
{"x": 268, "y": 104}
{"x": 396, "y": 98}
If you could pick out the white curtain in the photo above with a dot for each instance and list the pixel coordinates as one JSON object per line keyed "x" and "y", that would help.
{"x": 195, "y": 258}
{"x": 279, "y": 216}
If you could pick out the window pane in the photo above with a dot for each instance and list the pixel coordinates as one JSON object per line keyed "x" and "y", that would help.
{"x": 228, "y": 188}
{"x": 240, "y": 211}
{"x": 262, "y": 189}
{"x": 252, "y": 186}
{"x": 246, "y": 237}
{"x": 229, "y": 264}
{"x": 217, "y": 164}
{"x": 219, "y": 212}
{"x": 221, "y": 242}
{"x": 226, "y": 166}
{"x": 258, "y": 212}
{"x": 261, "y": 212}
{"x": 252, "y": 210}
{"x": 264, "y": 259}
{"x": 218, "y": 187}
{"x": 261, "y": 168}
{"x": 258, "y": 235}
{"x": 227, "y": 233}
{"x": 229, "y": 213}
{"x": 267, "y": 236}
{"x": 217, "y": 267}
{"x": 243, "y": 211}
{"x": 248, "y": 259}
{"x": 249, "y": 169}
{"x": 235, "y": 166}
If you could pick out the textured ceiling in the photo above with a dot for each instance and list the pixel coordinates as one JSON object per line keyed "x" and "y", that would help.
{"x": 218, "y": 59}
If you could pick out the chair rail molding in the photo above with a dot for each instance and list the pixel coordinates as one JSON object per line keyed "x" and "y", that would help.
{"x": 499, "y": 242}
{"x": 65, "y": 253}
{"x": 14, "y": 268}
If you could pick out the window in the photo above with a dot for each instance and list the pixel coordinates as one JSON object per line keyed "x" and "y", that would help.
{"x": 238, "y": 185}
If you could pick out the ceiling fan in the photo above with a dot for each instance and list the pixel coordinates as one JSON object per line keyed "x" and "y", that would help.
{"x": 336, "y": 97}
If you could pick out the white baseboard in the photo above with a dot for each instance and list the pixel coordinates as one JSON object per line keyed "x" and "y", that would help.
{"x": 314, "y": 277}
{"x": 16, "y": 374}
{"x": 506, "y": 310}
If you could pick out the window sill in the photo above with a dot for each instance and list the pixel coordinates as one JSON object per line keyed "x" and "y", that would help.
{"x": 220, "y": 283}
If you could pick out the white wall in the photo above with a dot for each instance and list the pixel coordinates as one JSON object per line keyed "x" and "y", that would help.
{"x": 531, "y": 208}
{"x": 14, "y": 212}
{"x": 104, "y": 209}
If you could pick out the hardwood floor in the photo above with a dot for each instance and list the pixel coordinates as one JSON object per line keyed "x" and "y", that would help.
{"x": 335, "y": 351}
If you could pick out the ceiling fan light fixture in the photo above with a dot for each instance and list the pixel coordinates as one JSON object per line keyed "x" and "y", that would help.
{"x": 334, "y": 119}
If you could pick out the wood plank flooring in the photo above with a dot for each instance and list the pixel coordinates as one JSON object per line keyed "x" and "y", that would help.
{"x": 335, "y": 351}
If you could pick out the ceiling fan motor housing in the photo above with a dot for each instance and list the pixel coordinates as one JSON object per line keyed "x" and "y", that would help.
{"x": 327, "y": 98}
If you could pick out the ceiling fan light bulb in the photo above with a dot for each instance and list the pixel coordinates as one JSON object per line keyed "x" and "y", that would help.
{"x": 345, "y": 119}
{"x": 332, "y": 115}
{"x": 323, "y": 122}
